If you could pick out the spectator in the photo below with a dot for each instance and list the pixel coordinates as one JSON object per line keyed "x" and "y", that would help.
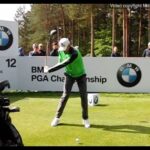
{"x": 54, "y": 51}
{"x": 115, "y": 52}
{"x": 35, "y": 48}
{"x": 21, "y": 51}
{"x": 36, "y": 51}
{"x": 41, "y": 50}
{"x": 146, "y": 52}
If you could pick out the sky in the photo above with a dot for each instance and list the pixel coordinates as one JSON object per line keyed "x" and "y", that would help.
{"x": 8, "y": 11}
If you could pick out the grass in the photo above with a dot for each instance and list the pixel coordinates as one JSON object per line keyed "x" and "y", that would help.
{"x": 118, "y": 120}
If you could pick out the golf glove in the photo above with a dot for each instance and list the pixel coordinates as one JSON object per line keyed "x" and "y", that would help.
{"x": 46, "y": 68}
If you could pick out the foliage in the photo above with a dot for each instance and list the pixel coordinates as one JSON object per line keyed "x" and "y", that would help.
{"x": 75, "y": 23}
{"x": 24, "y": 28}
{"x": 103, "y": 43}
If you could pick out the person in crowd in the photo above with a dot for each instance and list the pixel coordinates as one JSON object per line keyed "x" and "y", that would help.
{"x": 54, "y": 51}
{"x": 36, "y": 51}
{"x": 115, "y": 52}
{"x": 146, "y": 52}
{"x": 21, "y": 51}
{"x": 41, "y": 49}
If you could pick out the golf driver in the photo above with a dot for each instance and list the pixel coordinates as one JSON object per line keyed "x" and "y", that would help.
{"x": 51, "y": 34}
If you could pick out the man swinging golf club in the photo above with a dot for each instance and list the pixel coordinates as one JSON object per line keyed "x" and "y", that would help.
{"x": 71, "y": 59}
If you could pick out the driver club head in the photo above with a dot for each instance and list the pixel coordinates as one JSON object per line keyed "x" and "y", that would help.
{"x": 52, "y": 32}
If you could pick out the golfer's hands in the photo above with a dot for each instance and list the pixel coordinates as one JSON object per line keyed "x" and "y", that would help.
{"x": 46, "y": 69}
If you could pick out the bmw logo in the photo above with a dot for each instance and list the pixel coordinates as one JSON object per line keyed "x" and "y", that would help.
{"x": 6, "y": 38}
{"x": 129, "y": 75}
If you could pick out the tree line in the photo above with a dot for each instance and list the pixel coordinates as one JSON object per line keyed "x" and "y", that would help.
{"x": 95, "y": 28}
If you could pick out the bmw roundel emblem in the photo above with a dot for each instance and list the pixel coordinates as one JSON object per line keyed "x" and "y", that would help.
{"x": 6, "y": 38}
{"x": 129, "y": 75}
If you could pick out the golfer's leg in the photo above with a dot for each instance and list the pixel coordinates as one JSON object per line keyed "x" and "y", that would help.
{"x": 82, "y": 84}
{"x": 66, "y": 92}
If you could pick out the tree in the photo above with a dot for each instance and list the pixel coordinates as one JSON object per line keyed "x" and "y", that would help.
{"x": 63, "y": 19}
{"x": 92, "y": 32}
{"x": 113, "y": 28}
{"x": 95, "y": 28}
{"x": 125, "y": 33}
{"x": 22, "y": 18}
{"x": 140, "y": 28}
{"x": 103, "y": 33}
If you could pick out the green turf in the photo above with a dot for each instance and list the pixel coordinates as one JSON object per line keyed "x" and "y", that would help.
{"x": 119, "y": 120}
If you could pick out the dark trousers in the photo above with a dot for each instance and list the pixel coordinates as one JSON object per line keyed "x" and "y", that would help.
{"x": 82, "y": 85}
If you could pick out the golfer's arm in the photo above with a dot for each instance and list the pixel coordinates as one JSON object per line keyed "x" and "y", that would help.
{"x": 64, "y": 63}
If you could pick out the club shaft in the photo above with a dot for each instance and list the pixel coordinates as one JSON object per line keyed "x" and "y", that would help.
{"x": 46, "y": 57}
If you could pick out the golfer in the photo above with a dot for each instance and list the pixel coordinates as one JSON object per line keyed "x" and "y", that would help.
{"x": 71, "y": 59}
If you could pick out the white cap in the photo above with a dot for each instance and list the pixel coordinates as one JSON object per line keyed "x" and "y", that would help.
{"x": 148, "y": 43}
{"x": 63, "y": 44}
